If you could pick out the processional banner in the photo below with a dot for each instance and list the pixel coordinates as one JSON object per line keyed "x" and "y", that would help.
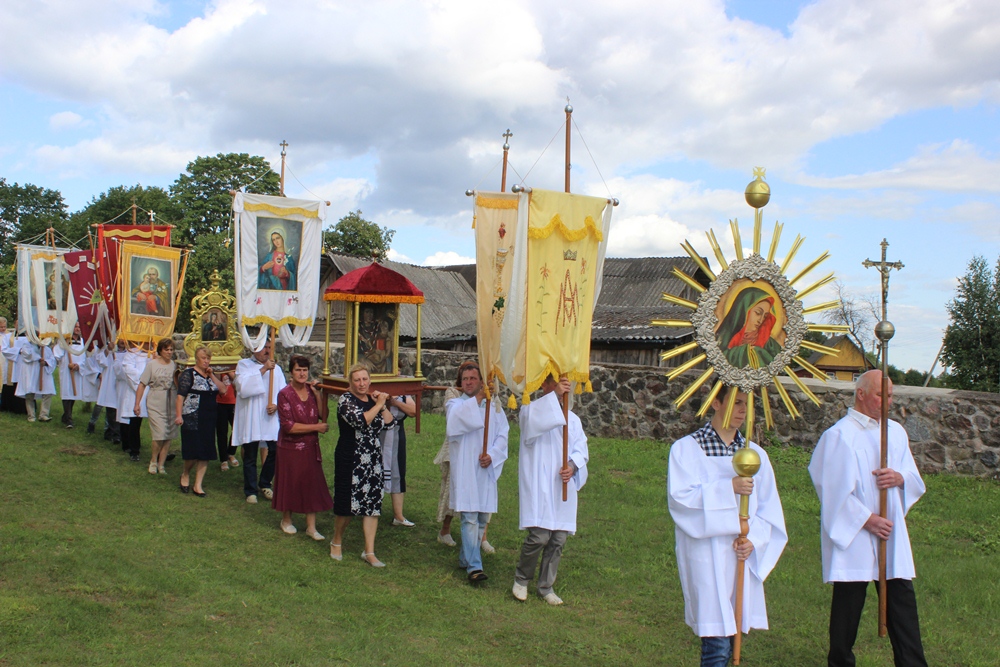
{"x": 558, "y": 264}
{"x": 91, "y": 308}
{"x": 46, "y": 309}
{"x": 495, "y": 221}
{"x": 110, "y": 238}
{"x": 278, "y": 248}
{"x": 150, "y": 284}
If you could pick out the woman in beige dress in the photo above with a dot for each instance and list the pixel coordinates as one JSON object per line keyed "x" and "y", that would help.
{"x": 158, "y": 378}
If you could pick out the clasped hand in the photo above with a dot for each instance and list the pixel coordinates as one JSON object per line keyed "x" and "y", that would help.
{"x": 743, "y": 548}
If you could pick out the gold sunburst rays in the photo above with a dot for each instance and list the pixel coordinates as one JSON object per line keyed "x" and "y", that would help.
{"x": 742, "y": 361}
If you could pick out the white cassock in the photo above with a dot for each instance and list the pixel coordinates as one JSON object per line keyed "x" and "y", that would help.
{"x": 107, "y": 393}
{"x": 8, "y": 358}
{"x": 705, "y": 510}
{"x": 251, "y": 423}
{"x": 129, "y": 370}
{"x": 841, "y": 470}
{"x": 540, "y": 460}
{"x": 474, "y": 488}
{"x": 35, "y": 359}
{"x": 70, "y": 384}
{"x": 90, "y": 371}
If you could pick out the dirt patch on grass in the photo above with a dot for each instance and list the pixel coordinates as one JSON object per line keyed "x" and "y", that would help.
{"x": 79, "y": 450}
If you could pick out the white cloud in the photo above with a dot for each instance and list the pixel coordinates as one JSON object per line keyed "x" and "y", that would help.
{"x": 399, "y": 257}
{"x": 65, "y": 120}
{"x": 447, "y": 257}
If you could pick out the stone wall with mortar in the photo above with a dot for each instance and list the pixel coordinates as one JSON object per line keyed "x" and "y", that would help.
{"x": 950, "y": 431}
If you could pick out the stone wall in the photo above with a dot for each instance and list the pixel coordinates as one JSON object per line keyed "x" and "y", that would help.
{"x": 950, "y": 431}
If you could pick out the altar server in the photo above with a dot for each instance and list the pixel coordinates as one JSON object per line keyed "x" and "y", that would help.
{"x": 846, "y": 473}
{"x": 703, "y": 496}
{"x": 474, "y": 474}
{"x": 71, "y": 363}
{"x": 255, "y": 422}
{"x": 107, "y": 392}
{"x": 541, "y": 474}
{"x": 34, "y": 379}
{"x": 7, "y": 361}
{"x": 129, "y": 368}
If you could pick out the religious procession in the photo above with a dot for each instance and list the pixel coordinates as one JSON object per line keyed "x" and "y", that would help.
{"x": 96, "y": 327}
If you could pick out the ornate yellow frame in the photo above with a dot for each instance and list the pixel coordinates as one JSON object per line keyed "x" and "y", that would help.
{"x": 228, "y": 351}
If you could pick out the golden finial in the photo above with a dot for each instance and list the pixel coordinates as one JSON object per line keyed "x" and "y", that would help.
{"x": 758, "y": 192}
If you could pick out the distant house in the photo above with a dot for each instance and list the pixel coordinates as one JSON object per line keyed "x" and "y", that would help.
{"x": 847, "y": 365}
{"x": 448, "y": 299}
{"x": 630, "y": 298}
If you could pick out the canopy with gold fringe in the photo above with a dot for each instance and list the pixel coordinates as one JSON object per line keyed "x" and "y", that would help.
{"x": 557, "y": 266}
{"x": 278, "y": 249}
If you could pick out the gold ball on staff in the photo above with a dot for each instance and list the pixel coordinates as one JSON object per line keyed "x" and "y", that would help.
{"x": 746, "y": 462}
{"x": 758, "y": 192}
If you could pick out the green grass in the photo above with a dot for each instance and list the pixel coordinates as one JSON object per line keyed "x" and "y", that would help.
{"x": 104, "y": 564}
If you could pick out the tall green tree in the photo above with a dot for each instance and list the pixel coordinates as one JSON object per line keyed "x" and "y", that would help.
{"x": 357, "y": 237}
{"x": 202, "y": 191}
{"x": 25, "y": 212}
{"x": 116, "y": 205}
{"x": 201, "y": 195}
{"x": 972, "y": 339}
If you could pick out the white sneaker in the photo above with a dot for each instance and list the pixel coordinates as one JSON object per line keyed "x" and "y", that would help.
{"x": 487, "y": 548}
{"x": 553, "y": 599}
{"x": 405, "y": 522}
{"x": 446, "y": 539}
{"x": 520, "y": 592}
{"x": 251, "y": 500}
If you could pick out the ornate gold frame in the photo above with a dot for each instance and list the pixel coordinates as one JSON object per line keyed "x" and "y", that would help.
{"x": 228, "y": 351}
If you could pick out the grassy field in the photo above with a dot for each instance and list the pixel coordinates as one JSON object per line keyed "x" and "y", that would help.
{"x": 104, "y": 564}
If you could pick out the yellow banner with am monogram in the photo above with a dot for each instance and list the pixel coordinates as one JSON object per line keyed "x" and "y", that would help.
{"x": 565, "y": 246}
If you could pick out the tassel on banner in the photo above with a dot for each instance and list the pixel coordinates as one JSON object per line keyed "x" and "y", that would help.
{"x": 511, "y": 402}
{"x": 590, "y": 388}
{"x": 473, "y": 220}
{"x": 578, "y": 389}
{"x": 526, "y": 398}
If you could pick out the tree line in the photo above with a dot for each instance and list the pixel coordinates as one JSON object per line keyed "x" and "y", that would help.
{"x": 197, "y": 204}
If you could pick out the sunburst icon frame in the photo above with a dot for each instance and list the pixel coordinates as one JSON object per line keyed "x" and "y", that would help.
{"x": 754, "y": 294}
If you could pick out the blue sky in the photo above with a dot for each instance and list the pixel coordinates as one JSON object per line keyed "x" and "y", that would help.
{"x": 874, "y": 118}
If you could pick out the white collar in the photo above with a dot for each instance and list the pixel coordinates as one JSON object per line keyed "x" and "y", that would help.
{"x": 863, "y": 420}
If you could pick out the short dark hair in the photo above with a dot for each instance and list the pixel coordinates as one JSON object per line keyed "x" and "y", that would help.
{"x": 163, "y": 344}
{"x": 298, "y": 361}
{"x": 469, "y": 365}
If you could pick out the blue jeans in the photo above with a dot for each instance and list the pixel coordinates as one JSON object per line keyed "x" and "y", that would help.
{"x": 716, "y": 651}
{"x": 473, "y": 526}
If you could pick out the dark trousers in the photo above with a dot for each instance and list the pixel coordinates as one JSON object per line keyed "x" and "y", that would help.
{"x": 251, "y": 485}
{"x": 901, "y": 622}
{"x": 130, "y": 435}
{"x": 67, "y": 416}
{"x": 223, "y": 420}
{"x": 112, "y": 429}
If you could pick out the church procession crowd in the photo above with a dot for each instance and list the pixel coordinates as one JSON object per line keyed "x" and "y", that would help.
{"x": 257, "y": 411}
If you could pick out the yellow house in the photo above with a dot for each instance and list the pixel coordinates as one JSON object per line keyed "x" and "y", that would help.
{"x": 847, "y": 365}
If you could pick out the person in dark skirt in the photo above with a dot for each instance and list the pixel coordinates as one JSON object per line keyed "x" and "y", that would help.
{"x": 197, "y": 388}
{"x": 357, "y": 479}
{"x": 299, "y": 484}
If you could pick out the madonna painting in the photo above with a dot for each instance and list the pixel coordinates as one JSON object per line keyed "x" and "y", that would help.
{"x": 751, "y": 327}
{"x": 278, "y": 254}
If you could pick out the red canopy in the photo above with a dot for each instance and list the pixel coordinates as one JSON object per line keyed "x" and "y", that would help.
{"x": 373, "y": 284}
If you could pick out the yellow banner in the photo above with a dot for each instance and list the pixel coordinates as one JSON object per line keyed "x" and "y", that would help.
{"x": 496, "y": 229}
{"x": 564, "y": 237}
{"x": 149, "y": 287}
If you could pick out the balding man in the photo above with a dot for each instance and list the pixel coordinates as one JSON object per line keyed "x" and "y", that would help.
{"x": 845, "y": 471}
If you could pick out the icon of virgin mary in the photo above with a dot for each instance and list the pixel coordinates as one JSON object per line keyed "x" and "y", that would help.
{"x": 745, "y": 333}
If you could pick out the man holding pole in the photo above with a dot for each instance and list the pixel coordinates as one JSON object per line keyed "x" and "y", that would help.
{"x": 474, "y": 472}
{"x": 256, "y": 419}
{"x": 703, "y": 497}
{"x": 848, "y": 478}
{"x": 541, "y": 475}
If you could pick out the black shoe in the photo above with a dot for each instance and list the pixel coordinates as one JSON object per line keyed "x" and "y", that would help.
{"x": 90, "y": 429}
{"x": 133, "y": 457}
{"x": 171, "y": 457}
{"x": 477, "y": 577}
{"x": 185, "y": 489}
{"x": 200, "y": 495}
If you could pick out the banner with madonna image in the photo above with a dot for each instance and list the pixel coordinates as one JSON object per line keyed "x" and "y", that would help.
{"x": 46, "y": 308}
{"x": 150, "y": 283}
{"x": 278, "y": 248}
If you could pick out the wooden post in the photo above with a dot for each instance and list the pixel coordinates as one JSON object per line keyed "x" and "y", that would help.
{"x": 486, "y": 427}
{"x": 738, "y": 609}
{"x": 270, "y": 356}
{"x": 569, "y": 125}
{"x": 506, "y": 147}
{"x": 284, "y": 145}
{"x": 565, "y": 407}
{"x": 326, "y": 345}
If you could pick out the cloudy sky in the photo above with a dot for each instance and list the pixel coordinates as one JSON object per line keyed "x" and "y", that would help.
{"x": 874, "y": 118}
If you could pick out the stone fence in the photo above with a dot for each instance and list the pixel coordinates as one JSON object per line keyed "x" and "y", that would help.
{"x": 950, "y": 431}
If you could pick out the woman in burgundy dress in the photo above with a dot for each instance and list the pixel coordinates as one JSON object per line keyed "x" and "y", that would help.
{"x": 299, "y": 483}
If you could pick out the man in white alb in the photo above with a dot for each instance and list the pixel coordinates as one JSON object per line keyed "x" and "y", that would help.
{"x": 255, "y": 422}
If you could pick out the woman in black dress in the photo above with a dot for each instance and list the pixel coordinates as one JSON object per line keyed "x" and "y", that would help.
{"x": 197, "y": 388}
{"x": 357, "y": 478}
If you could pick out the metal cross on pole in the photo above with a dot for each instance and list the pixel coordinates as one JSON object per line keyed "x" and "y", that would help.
{"x": 884, "y": 331}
